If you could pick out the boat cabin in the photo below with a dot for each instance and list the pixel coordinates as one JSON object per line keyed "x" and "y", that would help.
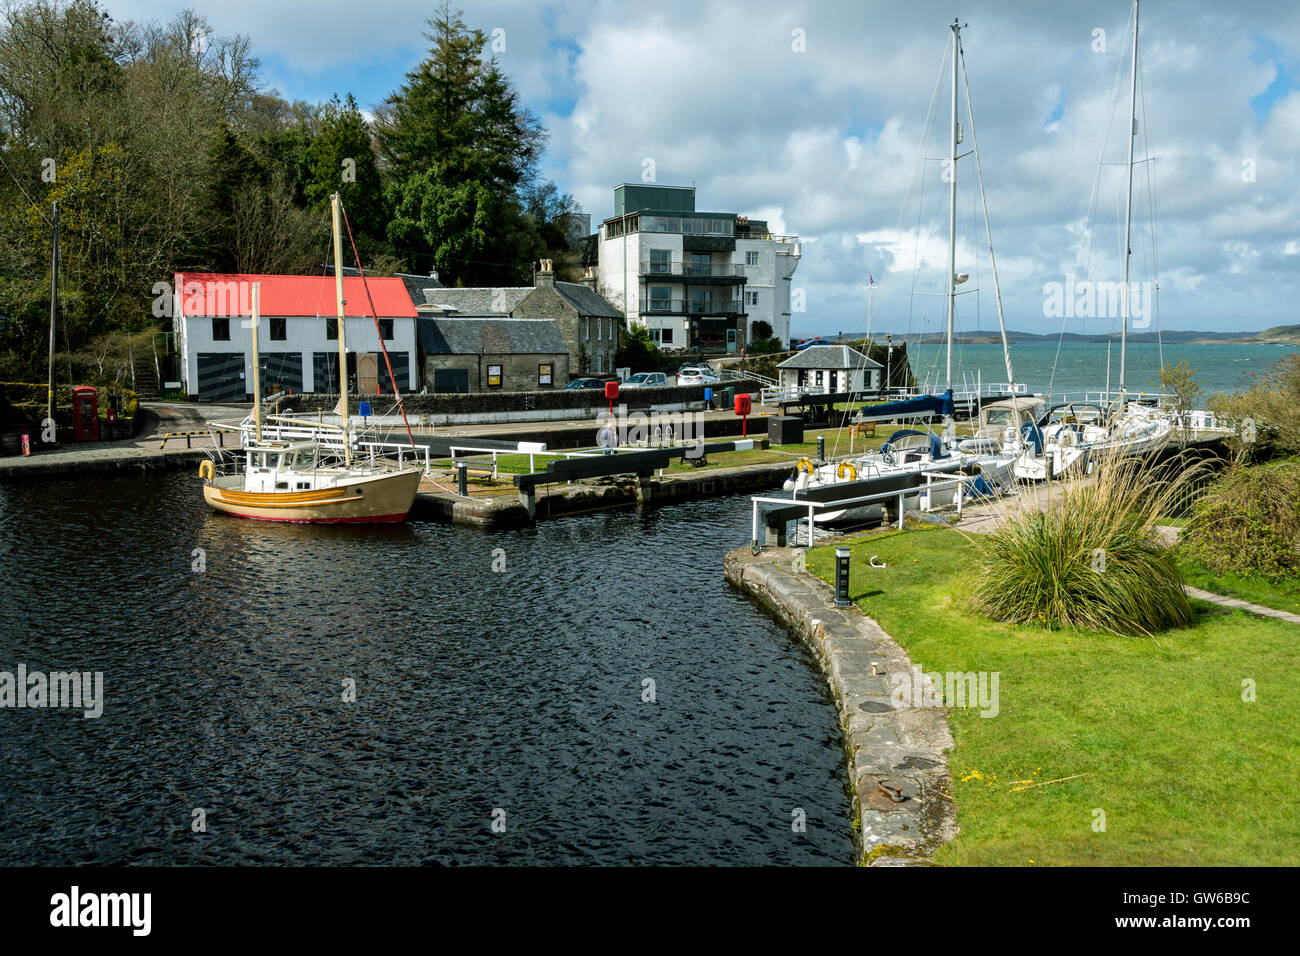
{"x": 997, "y": 417}
{"x": 282, "y": 466}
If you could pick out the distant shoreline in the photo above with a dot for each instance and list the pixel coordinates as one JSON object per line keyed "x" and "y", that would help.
{"x": 1282, "y": 335}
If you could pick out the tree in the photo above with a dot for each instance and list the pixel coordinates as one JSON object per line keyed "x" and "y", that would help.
{"x": 460, "y": 145}
{"x": 341, "y": 158}
{"x": 1179, "y": 382}
{"x": 762, "y": 330}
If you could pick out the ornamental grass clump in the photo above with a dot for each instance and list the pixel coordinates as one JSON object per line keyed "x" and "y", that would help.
{"x": 1086, "y": 556}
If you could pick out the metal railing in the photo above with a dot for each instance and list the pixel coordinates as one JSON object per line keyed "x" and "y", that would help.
{"x": 720, "y": 270}
{"x": 332, "y": 438}
{"x": 931, "y": 485}
{"x": 693, "y": 307}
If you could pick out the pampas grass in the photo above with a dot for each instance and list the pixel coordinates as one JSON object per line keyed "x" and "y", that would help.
{"x": 1083, "y": 554}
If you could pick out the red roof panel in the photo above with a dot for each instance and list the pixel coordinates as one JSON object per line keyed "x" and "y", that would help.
{"x": 227, "y": 294}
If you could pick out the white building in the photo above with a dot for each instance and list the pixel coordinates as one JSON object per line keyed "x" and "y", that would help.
{"x": 829, "y": 369}
{"x": 694, "y": 279}
{"x": 298, "y": 347}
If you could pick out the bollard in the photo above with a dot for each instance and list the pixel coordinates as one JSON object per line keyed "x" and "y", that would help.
{"x": 462, "y": 488}
{"x": 821, "y": 449}
{"x": 842, "y": 577}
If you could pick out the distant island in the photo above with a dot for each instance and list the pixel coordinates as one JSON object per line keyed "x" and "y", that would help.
{"x": 1278, "y": 335}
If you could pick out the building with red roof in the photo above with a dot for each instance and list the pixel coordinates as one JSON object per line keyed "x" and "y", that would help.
{"x": 298, "y": 344}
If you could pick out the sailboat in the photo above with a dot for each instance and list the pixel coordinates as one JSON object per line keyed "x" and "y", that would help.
{"x": 1072, "y": 437}
{"x": 987, "y": 461}
{"x": 310, "y": 481}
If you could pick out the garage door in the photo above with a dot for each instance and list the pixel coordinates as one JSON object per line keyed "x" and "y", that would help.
{"x": 221, "y": 377}
{"x": 401, "y": 371}
{"x": 281, "y": 372}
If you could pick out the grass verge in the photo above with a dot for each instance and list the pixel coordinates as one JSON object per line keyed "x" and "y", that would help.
{"x": 1185, "y": 771}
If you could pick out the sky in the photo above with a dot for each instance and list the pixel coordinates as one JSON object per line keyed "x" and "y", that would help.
{"x": 818, "y": 117}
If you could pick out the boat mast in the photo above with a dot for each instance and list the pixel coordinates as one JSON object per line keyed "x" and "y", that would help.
{"x": 343, "y": 338}
{"x": 257, "y": 376}
{"x": 54, "y": 288}
{"x": 952, "y": 199}
{"x": 1128, "y": 209}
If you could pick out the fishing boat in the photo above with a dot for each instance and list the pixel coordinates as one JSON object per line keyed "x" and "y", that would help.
{"x": 320, "y": 481}
{"x": 987, "y": 461}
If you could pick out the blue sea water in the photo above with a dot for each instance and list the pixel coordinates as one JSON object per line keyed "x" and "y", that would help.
{"x": 1081, "y": 366}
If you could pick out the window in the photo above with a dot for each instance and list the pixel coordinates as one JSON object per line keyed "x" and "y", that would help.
{"x": 700, "y": 264}
{"x": 666, "y": 336}
{"x": 660, "y": 261}
{"x": 600, "y": 364}
{"x": 279, "y": 330}
{"x": 221, "y": 330}
{"x": 331, "y": 328}
{"x": 751, "y": 258}
{"x": 751, "y": 298}
{"x": 660, "y": 298}
{"x": 701, "y": 300}
{"x": 818, "y": 379}
{"x": 386, "y": 329}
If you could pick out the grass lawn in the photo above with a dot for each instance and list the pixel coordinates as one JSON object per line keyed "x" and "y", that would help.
{"x": 1185, "y": 771}
{"x": 1284, "y": 596}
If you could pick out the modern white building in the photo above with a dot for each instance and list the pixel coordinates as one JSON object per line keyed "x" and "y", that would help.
{"x": 298, "y": 347}
{"x": 696, "y": 280}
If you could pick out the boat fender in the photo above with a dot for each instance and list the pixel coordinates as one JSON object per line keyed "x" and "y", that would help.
{"x": 846, "y": 466}
{"x": 207, "y": 471}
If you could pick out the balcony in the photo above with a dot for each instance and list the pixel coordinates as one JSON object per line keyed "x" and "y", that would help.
{"x": 694, "y": 307}
{"x": 692, "y": 271}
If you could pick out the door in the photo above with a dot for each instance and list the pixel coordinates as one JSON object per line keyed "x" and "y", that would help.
{"x": 281, "y": 372}
{"x": 731, "y": 340}
{"x": 221, "y": 377}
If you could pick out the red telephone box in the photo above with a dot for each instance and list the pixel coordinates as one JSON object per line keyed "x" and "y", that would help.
{"x": 85, "y": 413}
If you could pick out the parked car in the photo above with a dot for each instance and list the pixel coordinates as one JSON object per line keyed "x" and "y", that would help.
{"x": 648, "y": 380}
{"x": 586, "y": 383}
{"x": 810, "y": 342}
{"x": 699, "y": 375}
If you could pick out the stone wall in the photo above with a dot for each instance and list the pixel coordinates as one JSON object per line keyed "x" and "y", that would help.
{"x": 518, "y": 372}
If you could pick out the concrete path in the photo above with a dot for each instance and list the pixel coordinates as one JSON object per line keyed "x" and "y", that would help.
{"x": 897, "y": 753}
{"x": 1236, "y": 604}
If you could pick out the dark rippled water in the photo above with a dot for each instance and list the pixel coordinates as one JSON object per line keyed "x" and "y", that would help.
{"x": 476, "y": 691}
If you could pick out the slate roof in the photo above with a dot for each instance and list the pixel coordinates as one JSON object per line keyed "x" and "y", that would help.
{"x": 587, "y": 300}
{"x": 449, "y": 336}
{"x": 829, "y": 356}
{"x": 415, "y": 286}
{"x": 480, "y": 302}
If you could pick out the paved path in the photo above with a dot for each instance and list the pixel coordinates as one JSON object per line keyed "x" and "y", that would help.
{"x": 1224, "y": 601}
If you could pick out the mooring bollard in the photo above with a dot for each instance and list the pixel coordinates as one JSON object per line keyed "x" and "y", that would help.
{"x": 462, "y": 486}
{"x": 821, "y": 448}
{"x": 842, "y": 577}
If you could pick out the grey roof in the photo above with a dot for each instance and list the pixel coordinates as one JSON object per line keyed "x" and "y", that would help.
{"x": 829, "y": 356}
{"x": 587, "y": 300}
{"x": 415, "y": 286}
{"x": 481, "y": 302}
{"x": 449, "y": 336}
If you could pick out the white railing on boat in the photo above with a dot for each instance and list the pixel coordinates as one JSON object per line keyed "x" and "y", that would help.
{"x": 332, "y": 439}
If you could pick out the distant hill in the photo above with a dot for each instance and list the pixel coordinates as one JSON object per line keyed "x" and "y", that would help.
{"x": 1281, "y": 334}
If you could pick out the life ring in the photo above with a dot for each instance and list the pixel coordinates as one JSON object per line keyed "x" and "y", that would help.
{"x": 805, "y": 466}
{"x": 846, "y": 466}
{"x": 207, "y": 471}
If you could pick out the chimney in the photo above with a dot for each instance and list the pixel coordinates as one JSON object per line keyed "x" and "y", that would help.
{"x": 545, "y": 275}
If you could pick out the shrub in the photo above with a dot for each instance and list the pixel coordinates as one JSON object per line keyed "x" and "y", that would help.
{"x": 1089, "y": 559}
{"x": 1272, "y": 405}
{"x": 1249, "y": 522}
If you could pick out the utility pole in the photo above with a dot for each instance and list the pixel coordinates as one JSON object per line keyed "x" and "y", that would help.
{"x": 54, "y": 290}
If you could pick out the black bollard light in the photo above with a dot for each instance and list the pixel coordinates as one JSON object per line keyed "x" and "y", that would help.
{"x": 821, "y": 448}
{"x": 462, "y": 486}
{"x": 842, "y": 577}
